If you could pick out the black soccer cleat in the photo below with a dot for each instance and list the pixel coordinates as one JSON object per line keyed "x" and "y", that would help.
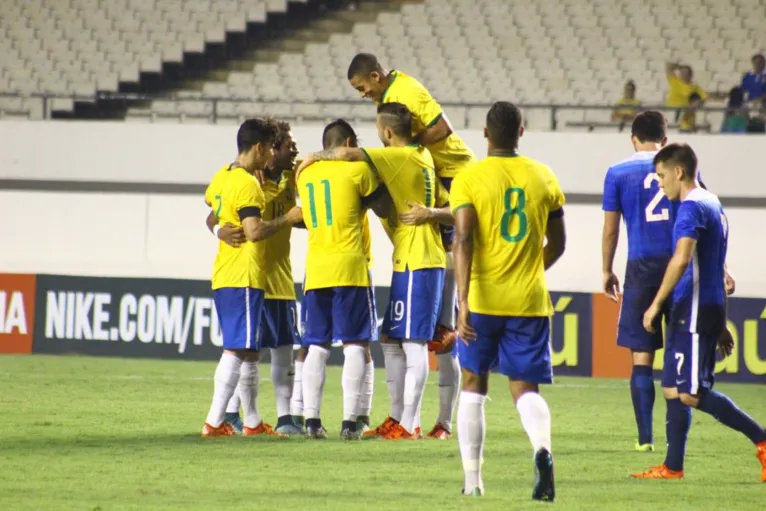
{"x": 545, "y": 488}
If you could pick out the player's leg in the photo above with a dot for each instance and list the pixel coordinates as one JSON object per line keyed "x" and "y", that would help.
{"x": 525, "y": 358}
{"x": 365, "y": 400}
{"x": 296, "y": 402}
{"x": 281, "y": 340}
{"x": 643, "y": 345}
{"x": 232, "y": 417}
{"x": 318, "y": 336}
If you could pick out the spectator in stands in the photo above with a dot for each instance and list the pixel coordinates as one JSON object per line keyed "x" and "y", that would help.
{"x": 754, "y": 82}
{"x": 681, "y": 88}
{"x": 737, "y": 118}
{"x": 627, "y": 106}
{"x": 689, "y": 115}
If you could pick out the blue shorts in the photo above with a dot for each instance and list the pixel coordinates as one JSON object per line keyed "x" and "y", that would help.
{"x": 239, "y": 312}
{"x": 631, "y": 333}
{"x": 339, "y": 314}
{"x": 518, "y": 347}
{"x": 689, "y": 363}
{"x": 414, "y": 304}
{"x": 280, "y": 327}
{"x": 448, "y": 231}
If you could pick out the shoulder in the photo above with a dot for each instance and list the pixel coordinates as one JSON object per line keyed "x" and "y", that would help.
{"x": 404, "y": 87}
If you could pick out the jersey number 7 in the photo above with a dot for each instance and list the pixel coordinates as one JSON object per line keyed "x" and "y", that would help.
{"x": 652, "y": 215}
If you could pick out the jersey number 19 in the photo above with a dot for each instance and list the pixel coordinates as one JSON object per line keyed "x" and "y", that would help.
{"x": 651, "y": 214}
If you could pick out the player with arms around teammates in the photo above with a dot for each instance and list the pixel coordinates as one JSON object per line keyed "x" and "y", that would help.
{"x": 509, "y": 221}
{"x": 430, "y": 128}
{"x": 338, "y": 297}
{"x": 239, "y": 275}
{"x": 419, "y": 259}
{"x": 694, "y": 284}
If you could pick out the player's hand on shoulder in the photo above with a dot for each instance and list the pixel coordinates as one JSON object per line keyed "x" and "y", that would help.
{"x": 726, "y": 343}
{"x": 231, "y": 235}
{"x": 295, "y": 215}
{"x": 611, "y": 286}
{"x": 729, "y": 283}
{"x": 465, "y": 330}
{"x": 417, "y": 215}
{"x": 310, "y": 159}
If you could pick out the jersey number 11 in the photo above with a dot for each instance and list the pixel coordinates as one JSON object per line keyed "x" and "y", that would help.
{"x": 327, "y": 202}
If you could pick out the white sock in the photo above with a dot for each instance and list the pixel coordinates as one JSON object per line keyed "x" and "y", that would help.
{"x": 365, "y": 400}
{"x": 234, "y": 402}
{"x": 449, "y": 383}
{"x": 396, "y": 367}
{"x": 449, "y": 295}
{"x": 283, "y": 375}
{"x": 226, "y": 378}
{"x": 536, "y": 419}
{"x": 416, "y": 354}
{"x": 296, "y": 402}
{"x": 352, "y": 379}
{"x": 471, "y": 430}
{"x": 314, "y": 369}
{"x": 248, "y": 391}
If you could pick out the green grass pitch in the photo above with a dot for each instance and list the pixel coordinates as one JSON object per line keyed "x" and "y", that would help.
{"x": 79, "y": 433}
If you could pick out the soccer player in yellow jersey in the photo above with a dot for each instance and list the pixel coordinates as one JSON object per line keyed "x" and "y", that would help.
{"x": 239, "y": 276}
{"x": 419, "y": 259}
{"x": 339, "y": 300}
{"x": 430, "y": 128}
{"x": 509, "y": 230}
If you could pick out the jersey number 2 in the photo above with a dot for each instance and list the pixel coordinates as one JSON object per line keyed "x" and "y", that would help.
{"x": 514, "y": 211}
{"x": 327, "y": 202}
{"x": 651, "y": 214}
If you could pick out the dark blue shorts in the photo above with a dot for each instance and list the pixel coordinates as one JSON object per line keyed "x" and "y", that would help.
{"x": 631, "y": 333}
{"x": 447, "y": 231}
{"x": 239, "y": 312}
{"x": 339, "y": 314}
{"x": 518, "y": 347}
{"x": 280, "y": 323}
{"x": 689, "y": 363}
{"x": 414, "y": 304}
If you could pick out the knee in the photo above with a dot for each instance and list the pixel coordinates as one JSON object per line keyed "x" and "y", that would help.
{"x": 473, "y": 382}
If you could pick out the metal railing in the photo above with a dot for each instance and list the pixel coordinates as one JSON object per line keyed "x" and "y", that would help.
{"x": 552, "y": 111}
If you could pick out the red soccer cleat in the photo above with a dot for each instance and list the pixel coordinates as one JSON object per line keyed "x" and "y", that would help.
{"x": 660, "y": 472}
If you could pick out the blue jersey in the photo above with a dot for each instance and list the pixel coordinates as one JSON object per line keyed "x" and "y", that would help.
{"x": 632, "y": 188}
{"x": 699, "y": 298}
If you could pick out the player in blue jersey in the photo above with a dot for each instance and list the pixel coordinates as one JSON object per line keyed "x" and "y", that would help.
{"x": 694, "y": 284}
{"x": 631, "y": 192}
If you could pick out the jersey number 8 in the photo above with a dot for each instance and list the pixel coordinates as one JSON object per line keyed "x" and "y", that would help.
{"x": 652, "y": 215}
{"x": 327, "y": 202}
{"x": 511, "y": 211}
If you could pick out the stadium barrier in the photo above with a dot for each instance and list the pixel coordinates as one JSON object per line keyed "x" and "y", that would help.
{"x": 176, "y": 319}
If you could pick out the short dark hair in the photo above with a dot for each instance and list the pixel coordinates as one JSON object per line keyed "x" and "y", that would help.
{"x": 681, "y": 155}
{"x": 255, "y": 131}
{"x": 649, "y": 126}
{"x": 758, "y": 56}
{"x": 336, "y": 133}
{"x": 283, "y": 132}
{"x": 694, "y": 97}
{"x": 504, "y": 121}
{"x": 363, "y": 64}
{"x": 397, "y": 117}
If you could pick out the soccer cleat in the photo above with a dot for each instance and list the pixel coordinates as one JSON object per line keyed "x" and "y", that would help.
{"x": 443, "y": 341}
{"x": 383, "y": 429}
{"x": 224, "y": 429}
{"x": 439, "y": 433}
{"x": 418, "y": 434}
{"x": 545, "y": 488}
{"x": 316, "y": 433}
{"x": 348, "y": 434}
{"x": 644, "y": 447}
{"x": 261, "y": 429}
{"x": 233, "y": 420}
{"x": 289, "y": 430}
{"x": 659, "y": 472}
{"x": 476, "y": 492}
{"x": 762, "y": 458}
{"x": 399, "y": 433}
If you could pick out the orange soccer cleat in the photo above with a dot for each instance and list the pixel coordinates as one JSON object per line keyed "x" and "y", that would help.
{"x": 399, "y": 433}
{"x": 761, "y": 454}
{"x": 660, "y": 472}
{"x": 439, "y": 433}
{"x": 224, "y": 429}
{"x": 443, "y": 341}
{"x": 381, "y": 430}
{"x": 418, "y": 434}
{"x": 261, "y": 429}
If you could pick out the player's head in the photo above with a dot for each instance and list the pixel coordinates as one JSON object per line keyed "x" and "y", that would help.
{"x": 759, "y": 63}
{"x": 367, "y": 76}
{"x": 629, "y": 91}
{"x": 285, "y": 148}
{"x": 695, "y": 99}
{"x": 394, "y": 123}
{"x": 676, "y": 165}
{"x": 685, "y": 73}
{"x": 505, "y": 125}
{"x": 649, "y": 127}
{"x": 339, "y": 133}
{"x": 255, "y": 143}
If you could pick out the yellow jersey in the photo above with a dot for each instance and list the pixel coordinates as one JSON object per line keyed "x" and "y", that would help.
{"x": 408, "y": 173}
{"x": 232, "y": 191}
{"x": 450, "y": 154}
{"x": 280, "y": 198}
{"x": 627, "y": 107}
{"x": 679, "y": 92}
{"x": 367, "y": 241}
{"x": 513, "y": 197}
{"x": 332, "y": 195}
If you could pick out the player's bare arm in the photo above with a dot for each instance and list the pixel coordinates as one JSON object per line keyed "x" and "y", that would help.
{"x": 228, "y": 233}
{"x": 419, "y": 214}
{"x": 675, "y": 270}
{"x": 256, "y": 229}
{"x": 728, "y": 281}
{"x": 556, "y": 239}
{"x": 610, "y": 236}
{"x": 336, "y": 154}
{"x": 435, "y": 133}
{"x": 465, "y": 225}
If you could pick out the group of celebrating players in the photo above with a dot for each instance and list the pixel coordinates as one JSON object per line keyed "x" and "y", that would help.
{"x": 471, "y": 243}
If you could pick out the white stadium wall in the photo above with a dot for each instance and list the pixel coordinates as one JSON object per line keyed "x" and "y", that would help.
{"x": 147, "y": 234}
